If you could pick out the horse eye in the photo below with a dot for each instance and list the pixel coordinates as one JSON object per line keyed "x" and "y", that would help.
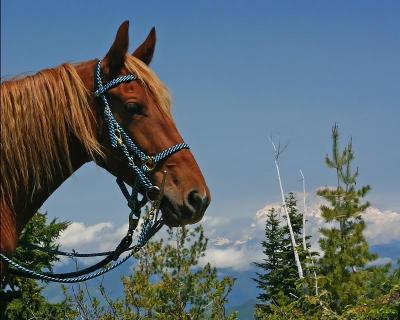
{"x": 134, "y": 108}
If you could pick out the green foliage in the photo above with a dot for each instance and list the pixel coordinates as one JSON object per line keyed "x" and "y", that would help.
{"x": 21, "y": 297}
{"x": 278, "y": 280}
{"x": 380, "y": 298}
{"x": 305, "y": 308}
{"x": 167, "y": 283}
{"x": 292, "y": 284}
{"x": 271, "y": 279}
{"x": 345, "y": 250}
{"x": 382, "y": 306}
{"x": 386, "y": 307}
{"x": 349, "y": 288}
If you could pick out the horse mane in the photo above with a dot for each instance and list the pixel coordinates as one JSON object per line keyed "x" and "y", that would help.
{"x": 39, "y": 114}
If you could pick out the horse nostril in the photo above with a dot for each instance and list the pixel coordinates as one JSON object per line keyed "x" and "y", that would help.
{"x": 197, "y": 202}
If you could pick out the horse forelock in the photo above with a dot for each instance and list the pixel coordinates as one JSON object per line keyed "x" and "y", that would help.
{"x": 151, "y": 82}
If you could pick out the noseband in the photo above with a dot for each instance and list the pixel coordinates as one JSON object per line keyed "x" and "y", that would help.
{"x": 122, "y": 143}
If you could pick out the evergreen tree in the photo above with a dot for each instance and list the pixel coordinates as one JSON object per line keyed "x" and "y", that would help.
{"x": 279, "y": 279}
{"x": 350, "y": 289}
{"x": 271, "y": 279}
{"x": 22, "y": 298}
{"x": 345, "y": 250}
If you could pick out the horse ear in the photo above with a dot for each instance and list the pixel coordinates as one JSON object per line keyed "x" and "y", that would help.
{"x": 146, "y": 50}
{"x": 115, "y": 57}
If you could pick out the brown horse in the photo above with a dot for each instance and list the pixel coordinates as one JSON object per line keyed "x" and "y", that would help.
{"x": 51, "y": 125}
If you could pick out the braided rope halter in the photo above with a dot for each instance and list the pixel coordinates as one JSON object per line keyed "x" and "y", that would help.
{"x": 152, "y": 222}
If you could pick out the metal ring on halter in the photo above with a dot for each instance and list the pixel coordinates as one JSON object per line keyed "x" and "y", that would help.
{"x": 149, "y": 164}
{"x": 153, "y": 193}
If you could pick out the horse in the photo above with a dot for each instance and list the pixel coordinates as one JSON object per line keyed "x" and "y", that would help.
{"x": 52, "y": 123}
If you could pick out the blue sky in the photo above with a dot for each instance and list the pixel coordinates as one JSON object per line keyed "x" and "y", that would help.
{"x": 238, "y": 72}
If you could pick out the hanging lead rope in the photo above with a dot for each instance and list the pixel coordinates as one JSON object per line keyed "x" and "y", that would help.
{"x": 151, "y": 225}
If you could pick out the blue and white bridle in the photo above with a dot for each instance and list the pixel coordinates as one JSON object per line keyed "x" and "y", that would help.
{"x": 120, "y": 140}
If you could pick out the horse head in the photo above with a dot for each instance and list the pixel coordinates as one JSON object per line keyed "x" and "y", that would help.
{"x": 142, "y": 109}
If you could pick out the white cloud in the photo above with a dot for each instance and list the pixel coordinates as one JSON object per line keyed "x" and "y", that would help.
{"x": 382, "y": 226}
{"x": 215, "y": 222}
{"x": 78, "y": 233}
{"x": 245, "y": 238}
{"x": 103, "y": 236}
{"x": 236, "y": 258}
{"x": 234, "y": 243}
{"x": 261, "y": 214}
{"x": 243, "y": 241}
{"x": 380, "y": 261}
{"x": 220, "y": 241}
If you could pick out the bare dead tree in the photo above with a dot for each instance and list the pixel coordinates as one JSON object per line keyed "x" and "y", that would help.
{"x": 277, "y": 152}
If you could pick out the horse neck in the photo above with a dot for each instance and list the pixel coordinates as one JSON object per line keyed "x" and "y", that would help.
{"x": 15, "y": 217}
{"x": 27, "y": 204}
{"x": 15, "y": 214}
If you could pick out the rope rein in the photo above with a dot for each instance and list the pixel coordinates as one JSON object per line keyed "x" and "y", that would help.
{"x": 152, "y": 221}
